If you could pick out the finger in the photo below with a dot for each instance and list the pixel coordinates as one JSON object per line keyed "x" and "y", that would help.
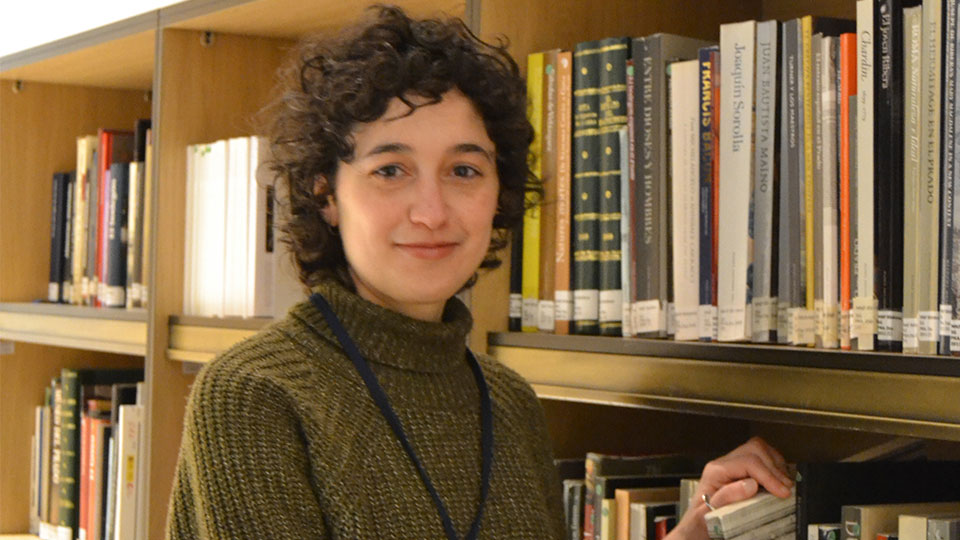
{"x": 767, "y": 454}
{"x": 751, "y": 466}
{"x": 734, "y": 492}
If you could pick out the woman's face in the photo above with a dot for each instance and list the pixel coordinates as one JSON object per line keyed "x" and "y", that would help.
{"x": 415, "y": 207}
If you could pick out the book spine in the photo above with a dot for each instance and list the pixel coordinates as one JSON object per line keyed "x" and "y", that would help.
{"x": 546, "y": 310}
{"x": 684, "y": 119}
{"x": 134, "y": 223}
{"x": 715, "y": 202}
{"x": 613, "y": 116}
{"x": 888, "y": 172}
{"x": 929, "y": 201}
{"x": 78, "y": 257}
{"x": 864, "y": 324}
{"x": 516, "y": 279}
{"x": 115, "y": 277}
{"x": 563, "y": 299}
{"x": 764, "y": 296}
{"x": 590, "y": 504}
{"x": 816, "y": 44}
{"x": 848, "y": 92}
{"x": 829, "y": 231}
{"x": 625, "y": 222}
{"x": 913, "y": 21}
{"x": 789, "y": 231}
{"x": 628, "y": 197}
{"x": 737, "y": 45}
{"x": 649, "y": 304}
{"x": 93, "y": 207}
{"x": 57, "y": 215}
{"x": 66, "y": 280}
{"x": 531, "y": 217}
{"x": 850, "y": 518}
{"x": 948, "y": 111}
{"x": 67, "y": 515}
{"x": 83, "y": 506}
{"x": 952, "y": 241}
{"x": 147, "y": 227}
{"x": 586, "y": 208}
{"x": 706, "y": 321}
{"x": 806, "y": 62}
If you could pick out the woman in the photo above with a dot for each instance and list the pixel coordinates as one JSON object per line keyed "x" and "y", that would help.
{"x": 362, "y": 414}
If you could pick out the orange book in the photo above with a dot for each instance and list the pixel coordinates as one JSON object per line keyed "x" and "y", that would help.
{"x": 85, "y": 440}
{"x": 563, "y": 294}
{"x": 848, "y": 91}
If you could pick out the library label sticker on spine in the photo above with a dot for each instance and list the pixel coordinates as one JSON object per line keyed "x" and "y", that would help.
{"x": 516, "y": 306}
{"x": 804, "y": 326}
{"x": 910, "y": 339}
{"x": 611, "y": 305}
{"x": 707, "y": 321}
{"x": 765, "y": 314}
{"x": 546, "y": 317}
{"x": 647, "y": 317}
{"x": 946, "y": 318}
{"x": 889, "y": 325}
{"x": 928, "y": 327}
{"x": 955, "y": 334}
{"x": 531, "y": 310}
{"x": 586, "y": 304}
{"x": 864, "y": 319}
{"x": 563, "y": 306}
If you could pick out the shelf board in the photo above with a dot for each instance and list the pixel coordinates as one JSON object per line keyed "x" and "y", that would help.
{"x": 122, "y": 331}
{"x": 287, "y": 19}
{"x": 200, "y": 339}
{"x": 832, "y": 389}
{"x": 117, "y": 55}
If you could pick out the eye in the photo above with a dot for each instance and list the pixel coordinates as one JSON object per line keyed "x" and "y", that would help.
{"x": 465, "y": 171}
{"x": 389, "y": 171}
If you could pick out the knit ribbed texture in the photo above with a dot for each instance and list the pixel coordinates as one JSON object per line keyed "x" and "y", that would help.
{"x": 282, "y": 440}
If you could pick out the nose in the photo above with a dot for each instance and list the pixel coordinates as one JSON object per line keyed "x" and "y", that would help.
{"x": 429, "y": 207}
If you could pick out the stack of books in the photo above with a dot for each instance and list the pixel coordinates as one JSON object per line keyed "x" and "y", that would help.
{"x": 761, "y": 517}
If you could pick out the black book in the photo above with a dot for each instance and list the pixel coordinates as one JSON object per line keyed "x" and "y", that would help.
{"x": 58, "y": 219}
{"x": 66, "y": 279}
{"x": 116, "y": 248}
{"x": 586, "y": 170}
{"x": 516, "y": 279}
{"x": 613, "y": 117}
{"x": 823, "y": 488}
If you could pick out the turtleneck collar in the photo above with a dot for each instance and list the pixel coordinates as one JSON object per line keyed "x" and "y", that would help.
{"x": 387, "y": 337}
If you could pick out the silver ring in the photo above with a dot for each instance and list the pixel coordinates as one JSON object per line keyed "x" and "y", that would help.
{"x": 706, "y": 500}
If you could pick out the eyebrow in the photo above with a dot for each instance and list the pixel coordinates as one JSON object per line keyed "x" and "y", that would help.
{"x": 462, "y": 148}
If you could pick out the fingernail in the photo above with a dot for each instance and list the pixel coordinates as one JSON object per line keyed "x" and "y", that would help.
{"x": 749, "y": 484}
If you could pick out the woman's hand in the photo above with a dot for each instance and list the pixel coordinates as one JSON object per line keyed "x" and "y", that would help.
{"x": 731, "y": 478}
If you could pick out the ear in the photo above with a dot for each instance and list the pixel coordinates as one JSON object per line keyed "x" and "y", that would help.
{"x": 329, "y": 212}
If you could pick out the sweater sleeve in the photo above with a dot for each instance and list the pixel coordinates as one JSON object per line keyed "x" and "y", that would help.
{"x": 243, "y": 469}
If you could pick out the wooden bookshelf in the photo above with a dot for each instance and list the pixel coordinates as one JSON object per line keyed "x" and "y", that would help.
{"x": 202, "y": 70}
{"x": 107, "y": 330}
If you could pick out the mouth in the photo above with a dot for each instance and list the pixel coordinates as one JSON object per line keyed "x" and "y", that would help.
{"x": 428, "y": 250}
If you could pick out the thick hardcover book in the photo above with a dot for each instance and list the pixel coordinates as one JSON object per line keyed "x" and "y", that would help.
{"x": 707, "y": 315}
{"x": 115, "y": 278}
{"x": 823, "y": 488}
{"x": 612, "y": 101}
{"x": 737, "y": 50}
{"x": 888, "y": 172}
{"x": 913, "y": 45}
{"x": 531, "y": 217}
{"x": 546, "y": 310}
{"x": 86, "y": 147}
{"x": 114, "y": 146}
{"x": 948, "y": 178}
{"x": 58, "y": 229}
{"x": 928, "y": 315}
{"x": 685, "y": 197}
{"x": 563, "y": 298}
{"x": 652, "y": 286}
{"x": 73, "y": 382}
{"x": 765, "y": 190}
{"x": 864, "y": 323}
{"x": 848, "y": 94}
{"x": 791, "y": 284}
{"x": 586, "y": 175}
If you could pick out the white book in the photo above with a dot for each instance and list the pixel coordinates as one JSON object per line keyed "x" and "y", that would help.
{"x": 864, "y": 323}
{"x": 737, "y": 44}
{"x": 913, "y": 45}
{"x": 764, "y": 298}
{"x": 262, "y": 244}
{"x": 625, "y": 222}
{"x": 210, "y": 250}
{"x": 235, "y": 232}
{"x": 768, "y": 531}
{"x": 129, "y": 426}
{"x": 735, "y": 519}
{"x": 194, "y": 156}
{"x": 684, "y": 120}
{"x": 830, "y": 232}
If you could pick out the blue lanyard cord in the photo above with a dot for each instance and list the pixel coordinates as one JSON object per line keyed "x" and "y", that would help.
{"x": 380, "y": 397}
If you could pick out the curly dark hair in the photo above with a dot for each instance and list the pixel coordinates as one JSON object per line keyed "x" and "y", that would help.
{"x": 338, "y": 82}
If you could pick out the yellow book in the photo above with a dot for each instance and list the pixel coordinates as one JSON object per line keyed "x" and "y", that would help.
{"x": 530, "y": 287}
{"x": 806, "y": 24}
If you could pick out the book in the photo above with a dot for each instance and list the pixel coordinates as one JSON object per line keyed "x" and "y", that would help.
{"x": 546, "y": 308}
{"x": 765, "y": 190}
{"x": 66, "y": 280}
{"x": 58, "y": 231}
{"x": 683, "y": 87}
{"x": 913, "y": 45}
{"x": 147, "y": 228}
{"x": 864, "y": 324}
{"x": 948, "y": 175}
{"x": 848, "y": 96}
{"x": 652, "y": 287}
{"x": 865, "y": 521}
{"x": 709, "y": 83}
{"x": 129, "y": 429}
{"x": 115, "y": 274}
{"x": 733, "y": 520}
{"x": 514, "y": 323}
{"x": 531, "y": 216}
{"x": 644, "y": 518}
{"x": 563, "y": 299}
{"x": 91, "y": 279}
{"x": 823, "y": 488}
{"x": 86, "y": 148}
{"x": 823, "y": 531}
{"x": 737, "y": 51}
{"x": 943, "y": 528}
{"x": 626, "y": 497}
{"x": 114, "y": 146}
{"x": 828, "y": 312}
{"x": 920, "y": 526}
{"x": 573, "y": 496}
{"x": 626, "y": 221}
{"x": 135, "y": 215}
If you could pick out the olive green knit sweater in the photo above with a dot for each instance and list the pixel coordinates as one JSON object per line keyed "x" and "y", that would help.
{"x": 282, "y": 440}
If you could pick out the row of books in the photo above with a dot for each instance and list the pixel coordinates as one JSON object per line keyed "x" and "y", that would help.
{"x": 609, "y": 497}
{"x": 793, "y": 184}
{"x": 99, "y": 246}
{"x": 86, "y": 465}
{"x": 233, "y": 264}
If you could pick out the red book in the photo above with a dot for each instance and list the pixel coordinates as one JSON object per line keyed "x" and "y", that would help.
{"x": 848, "y": 88}
{"x": 85, "y": 453}
{"x": 115, "y": 146}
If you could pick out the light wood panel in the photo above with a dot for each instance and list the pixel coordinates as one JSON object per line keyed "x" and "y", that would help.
{"x": 39, "y": 125}
{"x": 287, "y": 19}
{"x": 205, "y": 93}
{"x": 782, "y": 10}
{"x": 23, "y": 376}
